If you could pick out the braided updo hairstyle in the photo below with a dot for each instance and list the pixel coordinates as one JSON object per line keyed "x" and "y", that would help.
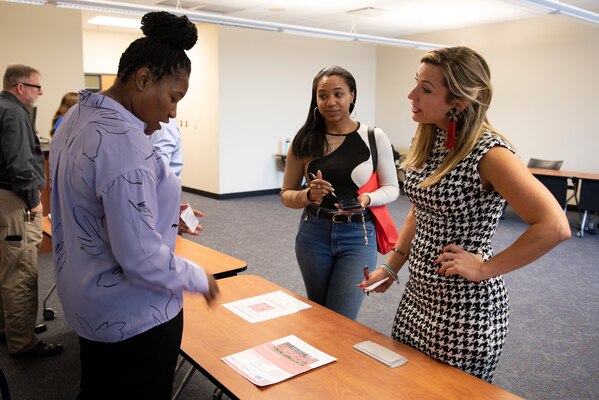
{"x": 162, "y": 51}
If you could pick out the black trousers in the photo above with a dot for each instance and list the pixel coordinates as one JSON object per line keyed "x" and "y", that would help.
{"x": 141, "y": 367}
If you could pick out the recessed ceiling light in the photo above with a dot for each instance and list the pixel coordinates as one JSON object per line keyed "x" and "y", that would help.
{"x": 36, "y": 2}
{"x": 115, "y": 21}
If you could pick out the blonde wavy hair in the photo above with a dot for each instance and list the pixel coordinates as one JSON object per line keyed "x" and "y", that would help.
{"x": 468, "y": 78}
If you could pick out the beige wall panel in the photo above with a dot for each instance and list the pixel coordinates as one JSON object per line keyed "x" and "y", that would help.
{"x": 102, "y": 50}
{"x": 544, "y": 73}
{"x": 48, "y": 39}
{"x": 198, "y": 112}
{"x": 265, "y": 88}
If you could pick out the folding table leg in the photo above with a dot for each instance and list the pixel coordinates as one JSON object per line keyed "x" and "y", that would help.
{"x": 183, "y": 383}
{"x": 179, "y": 364}
{"x": 218, "y": 394}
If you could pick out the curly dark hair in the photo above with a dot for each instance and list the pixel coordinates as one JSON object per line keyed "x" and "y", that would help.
{"x": 162, "y": 51}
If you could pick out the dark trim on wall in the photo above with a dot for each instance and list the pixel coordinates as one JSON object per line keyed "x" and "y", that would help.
{"x": 227, "y": 196}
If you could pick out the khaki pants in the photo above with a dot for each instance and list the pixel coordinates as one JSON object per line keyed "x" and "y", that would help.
{"x": 20, "y": 241}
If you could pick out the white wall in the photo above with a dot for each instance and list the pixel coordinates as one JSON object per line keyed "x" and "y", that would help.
{"x": 250, "y": 89}
{"x": 198, "y": 113}
{"x": 102, "y": 50}
{"x": 265, "y": 81}
{"x": 544, "y": 73}
{"x": 198, "y": 110}
{"x": 395, "y": 71}
{"x": 49, "y": 40}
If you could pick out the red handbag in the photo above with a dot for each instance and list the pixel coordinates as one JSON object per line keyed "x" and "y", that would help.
{"x": 386, "y": 232}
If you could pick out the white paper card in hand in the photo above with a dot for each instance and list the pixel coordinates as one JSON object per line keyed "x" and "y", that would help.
{"x": 189, "y": 218}
{"x": 380, "y": 353}
{"x": 376, "y": 284}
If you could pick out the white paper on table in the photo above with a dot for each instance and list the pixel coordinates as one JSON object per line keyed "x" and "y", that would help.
{"x": 277, "y": 360}
{"x": 266, "y": 306}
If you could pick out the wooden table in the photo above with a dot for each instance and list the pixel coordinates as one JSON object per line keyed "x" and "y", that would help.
{"x": 46, "y": 246}
{"x": 47, "y": 226}
{"x": 564, "y": 174}
{"x": 212, "y": 333}
{"x": 212, "y": 261}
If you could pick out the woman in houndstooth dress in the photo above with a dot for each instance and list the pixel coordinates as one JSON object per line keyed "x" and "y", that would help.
{"x": 455, "y": 305}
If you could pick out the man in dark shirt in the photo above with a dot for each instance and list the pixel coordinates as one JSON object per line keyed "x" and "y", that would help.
{"x": 22, "y": 176}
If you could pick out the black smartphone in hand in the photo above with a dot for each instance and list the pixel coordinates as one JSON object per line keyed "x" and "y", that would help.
{"x": 348, "y": 203}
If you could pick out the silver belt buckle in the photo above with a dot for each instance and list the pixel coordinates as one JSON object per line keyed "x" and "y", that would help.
{"x": 341, "y": 215}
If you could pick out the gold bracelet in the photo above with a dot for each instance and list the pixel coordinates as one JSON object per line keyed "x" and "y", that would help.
{"x": 401, "y": 253}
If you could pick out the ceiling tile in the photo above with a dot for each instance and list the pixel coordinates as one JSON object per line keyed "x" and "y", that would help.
{"x": 392, "y": 18}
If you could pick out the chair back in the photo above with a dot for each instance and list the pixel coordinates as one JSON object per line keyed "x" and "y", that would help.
{"x": 589, "y": 196}
{"x": 545, "y": 164}
{"x": 558, "y": 187}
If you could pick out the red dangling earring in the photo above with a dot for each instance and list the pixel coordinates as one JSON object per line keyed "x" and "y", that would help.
{"x": 453, "y": 119}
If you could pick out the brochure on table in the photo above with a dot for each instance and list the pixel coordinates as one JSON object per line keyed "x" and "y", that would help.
{"x": 277, "y": 360}
{"x": 266, "y": 306}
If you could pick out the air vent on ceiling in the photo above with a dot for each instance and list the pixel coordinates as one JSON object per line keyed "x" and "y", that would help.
{"x": 367, "y": 11}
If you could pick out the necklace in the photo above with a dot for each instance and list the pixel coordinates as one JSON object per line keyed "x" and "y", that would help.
{"x": 334, "y": 143}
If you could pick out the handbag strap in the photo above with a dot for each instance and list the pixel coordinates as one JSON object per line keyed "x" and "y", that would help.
{"x": 373, "y": 151}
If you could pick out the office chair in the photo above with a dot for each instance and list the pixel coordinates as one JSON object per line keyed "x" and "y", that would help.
{"x": 589, "y": 202}
{"x": 556, "y": 189}
{"x": 545, "y": 164}
{"x": 401, "y": 174}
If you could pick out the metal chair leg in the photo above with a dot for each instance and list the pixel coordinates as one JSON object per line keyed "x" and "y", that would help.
{"x": 48, "y": 313}
{"x": 583, "y": 223}
{"x": 183, "y": 383}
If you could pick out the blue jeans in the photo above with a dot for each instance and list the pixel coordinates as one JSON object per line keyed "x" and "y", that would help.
{"x": 331, "y": 257}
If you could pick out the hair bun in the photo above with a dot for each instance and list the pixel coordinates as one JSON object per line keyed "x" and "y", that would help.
{"x": 168, "y": 28}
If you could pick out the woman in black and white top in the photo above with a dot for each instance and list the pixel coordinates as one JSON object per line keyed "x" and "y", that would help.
{"x": 331, "y": 151}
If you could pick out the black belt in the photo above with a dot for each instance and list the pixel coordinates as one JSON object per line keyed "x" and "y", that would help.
{"x": 338, "y": 218}
{"x": 5, "y": 186}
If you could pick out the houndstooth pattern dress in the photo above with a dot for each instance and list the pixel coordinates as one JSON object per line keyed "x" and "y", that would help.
{"x": 456, "y": 321}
